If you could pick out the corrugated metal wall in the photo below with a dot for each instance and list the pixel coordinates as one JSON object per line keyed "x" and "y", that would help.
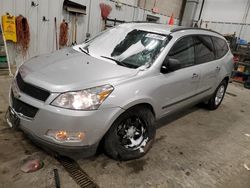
{"x": 226, "y": 17}
{"x": 43, "y": 32}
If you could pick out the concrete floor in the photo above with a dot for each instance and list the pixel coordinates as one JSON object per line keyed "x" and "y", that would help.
{"x": 196, "y": 148}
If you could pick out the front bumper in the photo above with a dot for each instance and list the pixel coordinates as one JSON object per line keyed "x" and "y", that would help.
{"x": 75, "y": 152}
{"x": 94, "y": 124}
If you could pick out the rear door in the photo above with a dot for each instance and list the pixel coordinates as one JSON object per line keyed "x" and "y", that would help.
{"x": 221, "y": 49}
{"x": 205, "y": 59}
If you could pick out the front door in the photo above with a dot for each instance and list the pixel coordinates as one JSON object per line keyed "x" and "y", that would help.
{"x": 178, "y": 88}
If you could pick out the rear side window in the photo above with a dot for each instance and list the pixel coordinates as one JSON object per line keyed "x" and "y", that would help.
{"x": 183, "y": 50}
{"x": 204, "y": 49}
{"x": 220, "y": 46}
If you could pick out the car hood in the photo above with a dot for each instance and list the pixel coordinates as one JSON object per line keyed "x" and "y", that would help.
{"x": 68, "y": 69}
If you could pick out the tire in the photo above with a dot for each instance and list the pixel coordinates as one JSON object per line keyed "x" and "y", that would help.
{"x": 216, "y": 99}
{"x": 132, "y": 134}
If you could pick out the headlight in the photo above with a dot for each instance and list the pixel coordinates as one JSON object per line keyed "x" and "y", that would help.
{"x": 88, "y": 99}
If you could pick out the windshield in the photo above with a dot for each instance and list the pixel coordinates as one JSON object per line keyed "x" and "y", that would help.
{"x": 126, "y": 47}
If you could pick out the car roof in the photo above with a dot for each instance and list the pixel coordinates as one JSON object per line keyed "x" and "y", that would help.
{"x": 152, "y": 27}
{"x": 167, "y": 29}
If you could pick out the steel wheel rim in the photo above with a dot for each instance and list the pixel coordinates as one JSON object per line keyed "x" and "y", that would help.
{"x": 132, "y": 133}
{"x": 219, "y": 95}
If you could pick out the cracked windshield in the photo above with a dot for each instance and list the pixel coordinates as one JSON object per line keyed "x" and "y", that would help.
{"x": 126, "y": 47}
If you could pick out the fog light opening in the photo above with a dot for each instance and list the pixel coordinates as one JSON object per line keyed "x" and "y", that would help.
{"x": 66, "y": 136}
{"x": 61, "y": 135}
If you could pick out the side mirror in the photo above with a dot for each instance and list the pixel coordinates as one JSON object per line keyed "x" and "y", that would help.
{"x": 169, "y": 65}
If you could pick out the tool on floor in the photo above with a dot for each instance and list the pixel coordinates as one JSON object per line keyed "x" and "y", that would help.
{"x": 246, "y": 167}
{"x": 32, "y": 165}
{"x": 77, "y": 173}
{"x": 231, "y": 94}
{"x": 57, "y": 179}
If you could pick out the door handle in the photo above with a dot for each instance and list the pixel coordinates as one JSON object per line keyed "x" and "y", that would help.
{"x": 218, "y": 68}
{"x": 195, "y": 75}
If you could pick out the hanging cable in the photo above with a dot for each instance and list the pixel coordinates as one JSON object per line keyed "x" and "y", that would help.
{"x": 63, "y": 36}
{"x": 23, "y": 34}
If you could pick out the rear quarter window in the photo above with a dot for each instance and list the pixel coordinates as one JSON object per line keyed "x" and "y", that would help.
{"x": 221, "y": 47}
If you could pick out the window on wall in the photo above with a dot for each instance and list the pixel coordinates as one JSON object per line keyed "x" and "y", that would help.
{"x": 153, "y": 19}
{"x": 183, "y": 51}
{"x": 220, "y": 46}
{"x": 204, "y": 50}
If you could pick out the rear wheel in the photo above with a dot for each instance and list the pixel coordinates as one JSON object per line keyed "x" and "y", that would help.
{"x": 131, "y": 135}
{"x": 215, "y": 101}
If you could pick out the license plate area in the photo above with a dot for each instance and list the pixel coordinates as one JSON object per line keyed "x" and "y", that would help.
{"x": 12, "y": 119}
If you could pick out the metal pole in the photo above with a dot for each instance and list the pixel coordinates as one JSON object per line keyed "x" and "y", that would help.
{"x": 183, "y": 5}
{"x": 56, "y": 33}
{"x": 202, "y": 5}
{"x": 89, "y": 16}
{"x": 245, "y": 17}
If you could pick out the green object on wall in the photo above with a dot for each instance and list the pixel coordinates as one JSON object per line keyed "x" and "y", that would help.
{"x": 3, "y": 59}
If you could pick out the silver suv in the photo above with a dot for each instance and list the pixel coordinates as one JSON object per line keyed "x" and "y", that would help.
{"x": 113, "y": 87}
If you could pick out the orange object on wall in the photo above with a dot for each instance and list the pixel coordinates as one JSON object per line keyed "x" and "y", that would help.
{"x": 105, "y": 10}
{"x": 63, "y": 36}
{"x": 171, "y": 20}
{"x": 23, "y": 34}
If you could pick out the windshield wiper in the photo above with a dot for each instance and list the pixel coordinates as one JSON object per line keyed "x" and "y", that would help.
{"x": 86, "y": 52}
{"x": 120, "y": 63}
{"x": 86, "y": 48}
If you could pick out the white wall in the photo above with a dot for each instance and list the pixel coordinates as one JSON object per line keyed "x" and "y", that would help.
{"x": 167, "y": 7}
{"x": 225, "y": 16}
{"x": 223, "y": 10}
{"x": 43, "y": 33}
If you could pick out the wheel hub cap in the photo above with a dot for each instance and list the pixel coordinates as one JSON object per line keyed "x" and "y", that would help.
{"x": 219, "y": 95}
{"x": 132, "y": 133}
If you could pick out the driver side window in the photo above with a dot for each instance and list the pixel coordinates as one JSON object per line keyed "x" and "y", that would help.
{"x": 183, "y": 51}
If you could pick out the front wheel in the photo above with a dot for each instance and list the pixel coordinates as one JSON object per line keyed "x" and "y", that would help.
{"x": 215, "y": 101}
{"x": 131, "y": 135}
